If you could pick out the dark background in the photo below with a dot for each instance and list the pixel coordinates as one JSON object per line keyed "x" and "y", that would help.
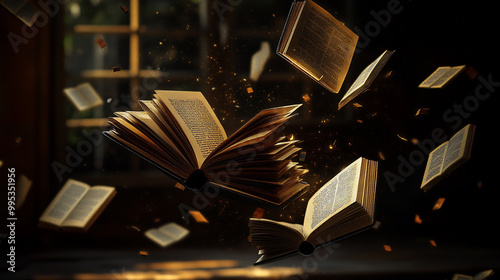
{"x": 425, "y": 35}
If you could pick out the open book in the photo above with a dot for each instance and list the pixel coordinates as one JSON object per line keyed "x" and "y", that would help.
{"x": 76, "y": 206}
{"x": 343, "y": 206}
{"x": 179, "y": 133}
{"x": 24, "y": 10}
{"x": 479, "y": 276}
{"x": 167, "y": 234}
{"x": 448, "y": 156}
{"x": 442, "y": 76}
{"x": 83, "y": 96}
{"x": 366, "y": 78}
{"x": 318, "y": 44}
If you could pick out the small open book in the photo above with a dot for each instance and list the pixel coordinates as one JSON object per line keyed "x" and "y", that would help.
{"x": 318, "y": 44}
{"x": 167, "y": 234}
{"x": 76, "y": 206}
{"x": 366, "y": 78}
{"x": 343, "y": 206}
{"x": 448, "y": 156}
{"x": 83, "y": 96}
{"x": 442, "y": 76}
{"x": 179, "y": 133}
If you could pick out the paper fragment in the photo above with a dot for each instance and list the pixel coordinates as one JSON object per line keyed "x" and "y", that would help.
{"x": 259, "y": 60}
{"x": 22, "y": 188}
{"x": 417, "y": 219}
{"x": 422, "y": 111}
{"x": 179, "y": 186}
{"x": 306, "y": 97}
{"x": 100, "y": 41}
{"x": 439, "y": 203}
{"x": 401, "y": 137}
{"x": 198, "y": 217}
{"x": 258, "y": 213}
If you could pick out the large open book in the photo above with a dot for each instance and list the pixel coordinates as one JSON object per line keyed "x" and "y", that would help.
{"x": 442, "y": 76}
{"x": 76, "y": 206}
{"x": 343, "y": 206}
{"x": 318, "y": 44}
{"x": 180, "y": 134}
{"x": 365, "y": 79}
{"x": 448, "y": 156}
{"x": 167, "y": 234}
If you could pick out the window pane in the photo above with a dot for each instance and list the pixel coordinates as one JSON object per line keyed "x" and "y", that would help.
{"x": 83, "y": 53}
{"x": 95, "y": 12}
{"x": 168, "y": 54}
{"x": 169, "y": 14}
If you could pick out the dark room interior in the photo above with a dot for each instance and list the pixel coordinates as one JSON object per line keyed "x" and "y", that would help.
{"x": 207, "y": 46}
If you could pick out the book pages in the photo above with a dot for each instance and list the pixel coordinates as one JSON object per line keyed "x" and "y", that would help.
{"x": 365, "y": 78}
{"x": 167, "y": 234}
{"x": 197, "y": 120}
{"x": 434, "y": 164}
{"x": 441, "y": 76}
{"x": 334, "y": 196}
{"x": 64, "y": 202}
{"x": 456, "y": 148}
{"x": 90, "y": 203}
{"x": 83, "y": 97}
{"x": 321, "y": 46}
{"x": 449, "y": 75}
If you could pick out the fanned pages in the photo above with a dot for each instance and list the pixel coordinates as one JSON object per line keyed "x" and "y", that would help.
{"x": 318, "y": 44}
{"x": 442, "y": 76}
{"x": 343, "y": 206}
{"x": 366, "y": 78}
{"x": 76, "y": 206}
{"x": 179, "y": 133}
{"x": 448, "y": 156}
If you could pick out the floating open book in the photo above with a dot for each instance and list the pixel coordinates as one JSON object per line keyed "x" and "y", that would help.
{"x": 318, "y": 44}
{"x": 76, "y": 206}
{"x": 448, "y": 156}
{"x": 366, "y": 78}
{"x": 442, "y": 76}
{"x": 343, "y": 206}
{"x": 83, "y": 96}
{"x": 179, "y": 133}
{"x": 167, "y": 234}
